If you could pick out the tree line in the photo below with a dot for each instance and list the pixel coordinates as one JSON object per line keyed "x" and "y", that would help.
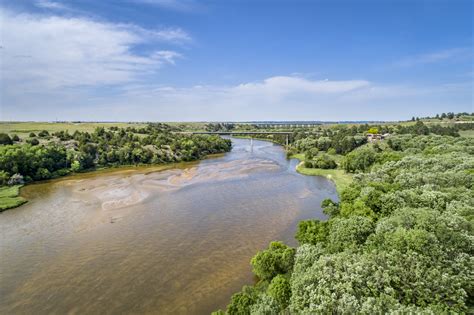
{"x": 63, "y": 152}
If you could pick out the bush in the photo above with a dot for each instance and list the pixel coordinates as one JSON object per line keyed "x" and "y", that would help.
{"x": 15, "y": 138}
{"x": 43, "y": 133}
{"x": 5, "y": 139}
{"x": 33, "y": 141}
{"x": 32, "y": 135}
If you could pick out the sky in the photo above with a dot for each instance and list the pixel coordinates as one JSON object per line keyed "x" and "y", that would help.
{"x": 235, "y": 60}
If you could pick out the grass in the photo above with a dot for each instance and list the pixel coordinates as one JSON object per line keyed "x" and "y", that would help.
{"x": 9, "y": 197}
{"x": 340, "y": 178}
{"x": 23, "y": 129}
{"x": 467, "y": 133}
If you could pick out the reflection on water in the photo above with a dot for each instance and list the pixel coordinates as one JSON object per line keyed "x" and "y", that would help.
{"x": 152, "y": 240}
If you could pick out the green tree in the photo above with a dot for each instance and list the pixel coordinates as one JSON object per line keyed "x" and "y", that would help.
{"x": 277, "y": 259}
{"x": 312, "y": 232}
{"x": 280, "y": 290}
{"x": 373, "y": 130}
{"x": 241, "y": 302}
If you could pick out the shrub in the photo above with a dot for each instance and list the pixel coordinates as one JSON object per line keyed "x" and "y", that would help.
{"x": 33, "y": 141}
{"x": 43, "y": 133}
{"x": 5, "y": 139}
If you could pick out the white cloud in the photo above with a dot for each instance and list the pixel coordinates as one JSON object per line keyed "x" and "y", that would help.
{"x": 274, "y": 98}
{"x": 436, "y": 57}
{"x": 46, "y": 4}
{"x": 287, "y": 98}
{"x": 178, "y": 5}
{"x": 41, "y": 52}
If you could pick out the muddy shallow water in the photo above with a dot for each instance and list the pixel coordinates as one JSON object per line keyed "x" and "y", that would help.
{"x": 154, "y": 240}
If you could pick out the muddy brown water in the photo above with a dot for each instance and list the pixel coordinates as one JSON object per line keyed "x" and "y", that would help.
{"x": 152, "y": 240}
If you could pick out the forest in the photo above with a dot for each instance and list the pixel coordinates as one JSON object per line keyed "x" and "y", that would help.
{"x": 398, "y": 240}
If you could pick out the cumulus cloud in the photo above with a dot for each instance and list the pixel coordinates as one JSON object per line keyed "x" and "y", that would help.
{"x": 48, "y": 51}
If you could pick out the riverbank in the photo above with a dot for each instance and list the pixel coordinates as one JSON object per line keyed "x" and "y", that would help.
{"x": 10, "y": 197}
{"x": 340, "y": 178}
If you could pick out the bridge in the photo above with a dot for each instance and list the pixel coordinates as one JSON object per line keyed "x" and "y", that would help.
{"x": 239, "y": 133}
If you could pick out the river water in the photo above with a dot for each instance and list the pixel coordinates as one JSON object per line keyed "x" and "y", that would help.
{"x": 152, "y": 240}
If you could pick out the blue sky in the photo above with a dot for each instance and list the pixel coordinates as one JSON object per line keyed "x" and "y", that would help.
{"x": 170, "y": 60}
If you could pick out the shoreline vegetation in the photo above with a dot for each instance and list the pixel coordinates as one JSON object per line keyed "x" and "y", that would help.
{"x": 403, "y": 225}
{"x": 339, "y": 177}
{"x": 10, "y": 197}
{"x": 42, "y": 156}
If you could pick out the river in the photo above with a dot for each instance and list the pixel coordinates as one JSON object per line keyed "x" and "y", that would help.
{"x": 153, "y": 240}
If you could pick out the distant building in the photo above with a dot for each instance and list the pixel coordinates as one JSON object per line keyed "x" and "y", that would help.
{"x": 376, "y": 136}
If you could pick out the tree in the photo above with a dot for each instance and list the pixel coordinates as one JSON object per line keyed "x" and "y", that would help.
{"x": 359, "y": 160}
{"x": 241, "y": 302}
{"x": 324, "y": 161}
{"x": 277, "y": 259}
{"x": 280, "y": 290}
{"x": 312, "y": 232}
{"x": 5, "y": 139}
{"x": 373, "y": 130}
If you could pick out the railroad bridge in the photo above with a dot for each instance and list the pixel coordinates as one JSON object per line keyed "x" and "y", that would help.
{"x": 240, "y": 133}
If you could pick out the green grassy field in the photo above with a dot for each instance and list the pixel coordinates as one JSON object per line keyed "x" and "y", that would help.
{"x": 467, "y": 133}
{"x": 22, "y": 129}
{"x": 9, "y": 197}
{"x": 340, "y": 178}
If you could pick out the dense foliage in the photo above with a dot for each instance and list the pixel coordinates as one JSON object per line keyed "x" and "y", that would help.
{"x": 399, "y": 240}
{"x": 62, "y": 152}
